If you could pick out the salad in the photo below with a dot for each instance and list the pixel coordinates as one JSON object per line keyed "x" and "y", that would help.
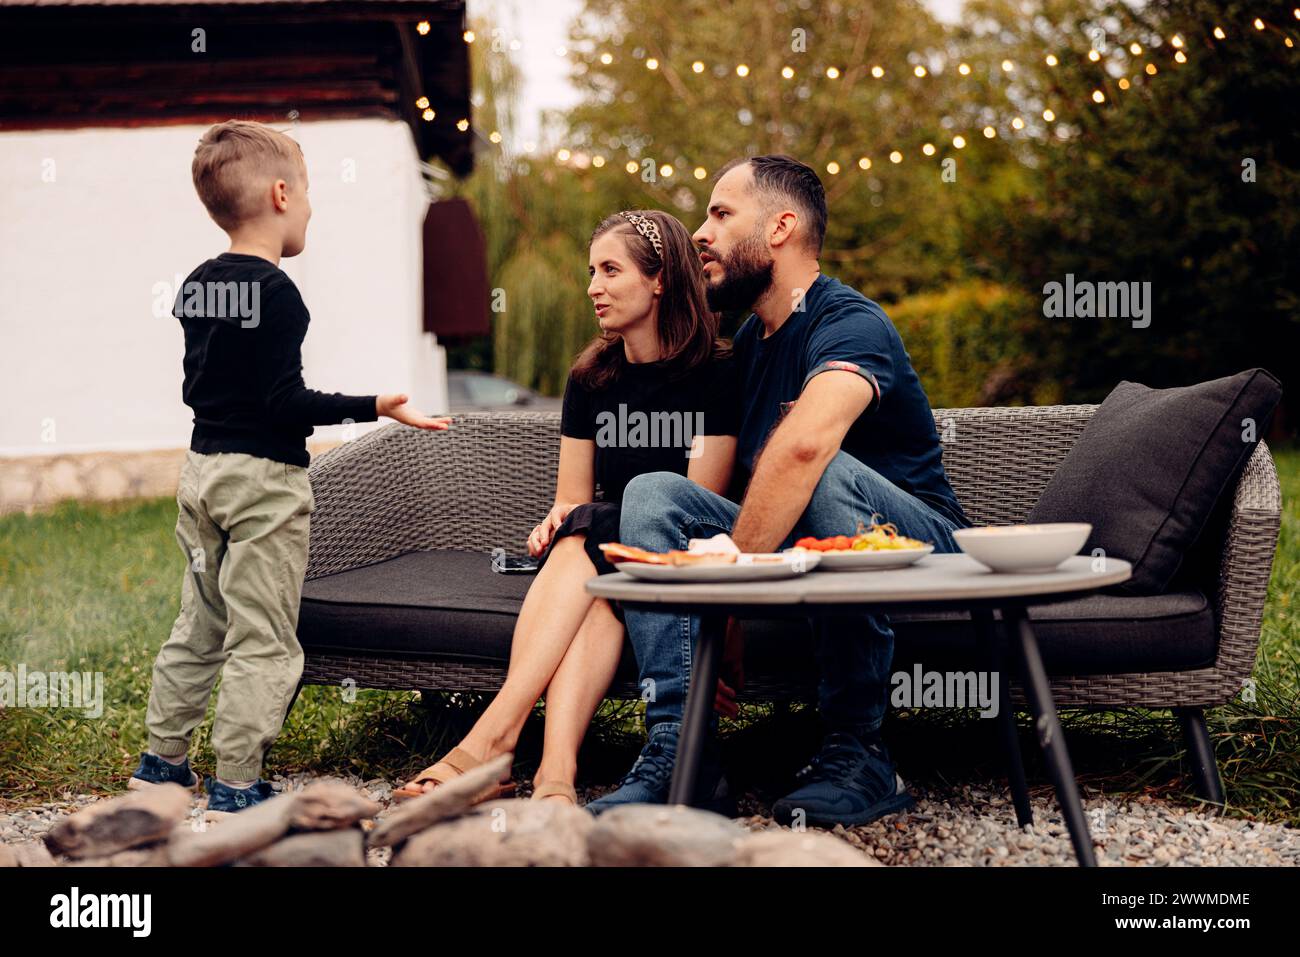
{"x": 879, "y": 537}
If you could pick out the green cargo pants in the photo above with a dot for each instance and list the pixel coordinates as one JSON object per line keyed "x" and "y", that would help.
{"x": 243, "y": 528}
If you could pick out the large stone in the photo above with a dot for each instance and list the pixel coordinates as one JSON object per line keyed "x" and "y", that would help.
{"x": 335, "y": 848}
{"x": 509, "y": 833}
{"x": 237, "y": 836}
{"x": 782, "y": 848}
{"x": 106, "y": 827}
{"x": 155, "y": 855}
{"x": 442, "y": 802}
{"x": 33, "y": 854}
{"x": 655, "y": 835}
{"x": 329, "y": 805}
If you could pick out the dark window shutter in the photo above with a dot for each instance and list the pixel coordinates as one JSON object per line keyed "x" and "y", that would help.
{"x": 455, "y": 273}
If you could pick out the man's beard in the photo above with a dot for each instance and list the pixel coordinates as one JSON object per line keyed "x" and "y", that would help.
{"x": 745, "y": 277}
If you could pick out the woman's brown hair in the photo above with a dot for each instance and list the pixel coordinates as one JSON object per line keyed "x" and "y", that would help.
{"x": 688, "y": 330}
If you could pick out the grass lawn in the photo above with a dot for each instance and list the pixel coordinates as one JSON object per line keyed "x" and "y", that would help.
{"x": 94, "y": 588}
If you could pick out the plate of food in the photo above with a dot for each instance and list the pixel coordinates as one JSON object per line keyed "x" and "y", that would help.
{"x": 715, "y": 559}
{"x": 877, "y": 546}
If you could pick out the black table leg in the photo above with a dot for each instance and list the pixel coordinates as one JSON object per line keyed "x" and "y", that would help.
{"x": 996, "y": 660}
{"x": 700, "y": 696}
{"x": 1050, "y": 738}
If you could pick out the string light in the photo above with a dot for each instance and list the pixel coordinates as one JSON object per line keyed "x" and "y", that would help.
{"x": 1048, "y": 115}
{"x": 422, "y": 103}
{"x": 562, "y": 156}
{"x": 1007, "y": 66}
{"x": 1259, "y": 24}
{"x": 990, "y": 132}
{"x": 652, "y": 64}
{"x": 833, "y": 167}
{"x": 697, "y": 66}
{"x": 928, "y": 149}
{"x": 832, "y": 72}
{"x": 462, "y": 125}
{"x": 1017, "y": 124}
{"x": 1219, "y": 34}
{"x": 598, "y": 161}
{"x": 1180, "y": 56}
{"x": 1098, "y": 96}
{"x": 864, "y": 162}
{"x": 895, "y": 157}
{"x": 467, "y": 36}
{"x": 1094, "y": 56}
{"x": 959, "y": 141}
{"x": 1135, "y": 49}
{"x": 631, "y": 166}
{"x": 495, "y": 137}
{"x": 877, "y": 71}
{"x": 1151, "y": 69}
{"x": 964, "y": 69}
{"x": 607, "y": 58}
{"x": 666, "y": 170}
{"x": 787, "y": 72}
{"x": 1051, "y": 59}
{"x": 919, "y": 71}
{"x": 701, "y": 172}
{"x": 1177, "y": 41}
{"x": 422, "y": 28}
{"x": 742, "y": 70}
{"x": 1123, "y": 83}
{"x": 428, "y": 115}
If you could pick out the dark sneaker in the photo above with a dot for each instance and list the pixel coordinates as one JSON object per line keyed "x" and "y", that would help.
{"x": 648, "y": 781}
{"x": 222, "y": 797}
{"x": 154, "y": 770}
{"x": 846, "y": 783}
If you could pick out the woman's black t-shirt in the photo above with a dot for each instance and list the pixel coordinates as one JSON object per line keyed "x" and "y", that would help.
{"x": 644, "y": 421}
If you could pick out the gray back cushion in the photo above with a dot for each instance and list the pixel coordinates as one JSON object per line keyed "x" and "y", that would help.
{"x": 1151, "y": 464}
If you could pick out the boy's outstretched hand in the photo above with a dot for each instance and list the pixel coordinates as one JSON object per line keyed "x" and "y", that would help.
{"x": 396, "y": 408}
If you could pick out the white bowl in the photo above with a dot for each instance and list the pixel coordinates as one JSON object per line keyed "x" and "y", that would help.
{"x": 1023, "y": 548}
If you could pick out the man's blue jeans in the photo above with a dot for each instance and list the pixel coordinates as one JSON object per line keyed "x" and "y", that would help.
{"x": 664, "y": 510}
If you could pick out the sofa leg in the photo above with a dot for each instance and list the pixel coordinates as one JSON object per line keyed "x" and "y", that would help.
{"x": 1205, "y": 770}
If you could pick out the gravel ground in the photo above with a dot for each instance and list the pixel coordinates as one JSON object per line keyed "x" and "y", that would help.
{"x": 968, "y": 825}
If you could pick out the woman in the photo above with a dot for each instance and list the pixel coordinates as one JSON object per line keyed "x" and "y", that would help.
{"x": 655, "y": 391}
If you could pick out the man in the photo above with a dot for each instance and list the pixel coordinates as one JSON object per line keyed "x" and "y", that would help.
{"x": 836, "y": 429}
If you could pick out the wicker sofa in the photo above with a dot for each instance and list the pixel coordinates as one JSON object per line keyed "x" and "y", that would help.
{"x": 400, "y": 595}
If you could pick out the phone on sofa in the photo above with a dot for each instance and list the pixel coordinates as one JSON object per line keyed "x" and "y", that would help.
{"x": 514, "y": 564}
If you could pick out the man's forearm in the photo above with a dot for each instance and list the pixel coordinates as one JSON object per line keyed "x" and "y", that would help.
{"x": 785, "y": 476}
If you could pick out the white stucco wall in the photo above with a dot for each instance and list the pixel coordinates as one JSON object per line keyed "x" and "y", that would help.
{"x": 91, "y": 220}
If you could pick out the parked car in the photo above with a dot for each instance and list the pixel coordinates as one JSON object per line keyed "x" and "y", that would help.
{"x": 469, "y": 391}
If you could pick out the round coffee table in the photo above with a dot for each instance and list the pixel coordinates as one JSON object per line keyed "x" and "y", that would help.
{"x": 939, "y": 581}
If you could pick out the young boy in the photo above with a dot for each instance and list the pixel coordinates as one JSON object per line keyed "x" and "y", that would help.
{"x": 244, "y": 496}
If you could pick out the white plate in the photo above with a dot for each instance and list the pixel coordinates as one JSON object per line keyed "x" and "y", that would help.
{"x": 745, "y": 569}
{"x": 864, "y": 560}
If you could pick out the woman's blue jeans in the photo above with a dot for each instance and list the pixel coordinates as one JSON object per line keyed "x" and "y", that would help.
{"x": 664, "y": 510}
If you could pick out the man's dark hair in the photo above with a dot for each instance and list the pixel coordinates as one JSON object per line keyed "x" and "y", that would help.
{"x": 786, "y": 177}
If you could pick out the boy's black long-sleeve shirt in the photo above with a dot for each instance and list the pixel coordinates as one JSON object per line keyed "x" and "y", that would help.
{"x": 244, "y": 323}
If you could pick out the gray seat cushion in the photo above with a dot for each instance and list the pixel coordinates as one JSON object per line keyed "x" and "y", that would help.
{"x": 450, "y": 605}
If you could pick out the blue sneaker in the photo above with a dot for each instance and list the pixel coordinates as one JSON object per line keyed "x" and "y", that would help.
{"x": 154, "y": 770}
{"x": 222, "y": 797}
{"x": 648, "y": 781}
{"x": 846, "y": 783}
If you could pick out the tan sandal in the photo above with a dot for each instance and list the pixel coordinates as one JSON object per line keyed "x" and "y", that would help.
{"x": 459, "y": 761}
{"x": 552, "y": 788}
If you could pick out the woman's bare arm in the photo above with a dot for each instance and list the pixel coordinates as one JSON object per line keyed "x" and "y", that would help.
{"x": 713, "y": 462}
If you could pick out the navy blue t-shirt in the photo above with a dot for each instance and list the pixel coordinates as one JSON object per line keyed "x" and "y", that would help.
{"x": 839, "y": 328}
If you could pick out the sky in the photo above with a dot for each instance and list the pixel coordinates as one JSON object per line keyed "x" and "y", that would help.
{"x": 542, "y": 27}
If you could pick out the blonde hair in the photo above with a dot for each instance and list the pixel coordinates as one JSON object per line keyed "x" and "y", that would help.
{"x": 232, "y": 161}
